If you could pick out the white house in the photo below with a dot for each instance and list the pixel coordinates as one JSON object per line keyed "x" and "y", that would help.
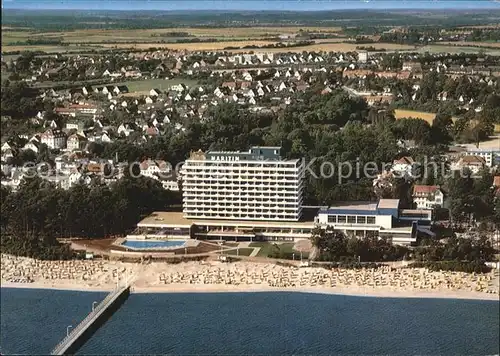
{"x": 170, "y": 185}
{"x": 32, "y": 145}
{"x": 155, "y": 169}
{"x": 76, "y": 142}
{"x": 427, "y": 196}
{"x": 404, "y": 167}
{"x": 54, "y": 139}
{"x": 473, "y": 163}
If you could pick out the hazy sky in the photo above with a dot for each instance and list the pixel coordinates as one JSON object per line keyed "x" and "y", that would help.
{"x": 290, "y": 5}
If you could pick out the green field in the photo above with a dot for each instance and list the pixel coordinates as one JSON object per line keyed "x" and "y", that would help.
{"x": 148, "y": 84}
{"x": 286, "y": 250}
{"x": 458, "y": 49}
{"x": 239, "y": 252}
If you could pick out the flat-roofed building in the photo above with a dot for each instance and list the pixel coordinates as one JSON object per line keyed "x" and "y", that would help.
{"x": 174, "y": 225}
{"x": 383, "y": 218}
{"x": 252, "y": 185}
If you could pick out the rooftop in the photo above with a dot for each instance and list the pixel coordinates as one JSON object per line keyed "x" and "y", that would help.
{"x": 355, "y": 206}
{"x": 176, "y": 219}
{"x": 255, "y": 153}
{"x": 472, "y": 160}
{"x": 165, "y": 218}
{"x": 388, "y": 204}
{"x": 364, "y": 207}
{"x": 425, "y": 189}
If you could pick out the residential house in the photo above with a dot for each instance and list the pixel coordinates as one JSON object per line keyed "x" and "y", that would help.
{"x": 154, "y": 92}
{"x": 77, "y": 125}
{"x": 54, "y": 139}
{"x": 155, "y": 169}
{"x": 120, "y": 89}
{"x": 125, "y": 129}
{"x": 172, "y": 185}
{"x": 33, "y": 145}
{"x": 179, "y": 87}
{"x": 428, "y": 196}
{"x": 412, "y": 66}
{"x": 76, "y": 142}
{"x": 6, "y": 147}
{"x": 473, "y": 163}
{"x": 404, "y": 167}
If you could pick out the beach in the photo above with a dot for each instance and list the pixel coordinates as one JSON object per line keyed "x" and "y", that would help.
{"x": 216, "y": 276}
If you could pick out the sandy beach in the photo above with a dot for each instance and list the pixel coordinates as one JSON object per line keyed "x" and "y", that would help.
{"x": 215, "y": 276}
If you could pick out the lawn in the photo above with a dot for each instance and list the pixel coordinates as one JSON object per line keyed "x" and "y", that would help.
{"x": 286, "y": 250}
{"x": 241, "y": 252}
{"x": 148, "y": 84}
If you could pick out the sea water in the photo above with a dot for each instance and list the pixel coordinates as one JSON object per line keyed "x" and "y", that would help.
{"x": 33, "y": 321}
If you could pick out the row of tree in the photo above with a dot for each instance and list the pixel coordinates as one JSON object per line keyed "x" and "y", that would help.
{"x": 38, "y": 213}
{"x": 456, "y": 254}
{"x": 335, "y": 247}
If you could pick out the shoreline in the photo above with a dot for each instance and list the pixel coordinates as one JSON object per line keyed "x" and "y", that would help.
{"x": 351, "y": 292}
{"x": 245, "y": 277}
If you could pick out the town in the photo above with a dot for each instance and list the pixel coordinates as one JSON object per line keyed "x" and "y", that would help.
{"x": 157, "y": 113}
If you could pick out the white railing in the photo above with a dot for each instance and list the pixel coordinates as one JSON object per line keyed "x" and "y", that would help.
{"x": 84, "y": 323}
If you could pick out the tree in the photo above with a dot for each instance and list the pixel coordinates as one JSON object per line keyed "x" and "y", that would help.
{"x": 460, "y": 186}
{"x": 442, "y": 129}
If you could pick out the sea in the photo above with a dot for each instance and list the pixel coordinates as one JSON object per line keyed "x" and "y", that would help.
{"x": 34, "y": 321}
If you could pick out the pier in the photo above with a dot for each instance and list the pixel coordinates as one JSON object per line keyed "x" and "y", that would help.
{"x": 88, "y": 326}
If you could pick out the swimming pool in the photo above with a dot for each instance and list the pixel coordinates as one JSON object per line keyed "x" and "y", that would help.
{"x": 153, "y": 244}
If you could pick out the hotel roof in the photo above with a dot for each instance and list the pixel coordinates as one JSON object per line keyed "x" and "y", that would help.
{"x": 255, "y": 153}
{"x": 177, "y": 219}
{"x": 383, "y": 207}
{"x": 388, "y": 204}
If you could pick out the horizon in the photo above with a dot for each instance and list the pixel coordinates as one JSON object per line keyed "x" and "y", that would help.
{"x": 248, "y": 5}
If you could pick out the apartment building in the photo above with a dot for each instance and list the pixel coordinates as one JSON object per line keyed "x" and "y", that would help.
{"x": 252, "y": 185}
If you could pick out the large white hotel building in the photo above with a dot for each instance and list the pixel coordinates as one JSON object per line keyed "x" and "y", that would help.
{"x": 258, "y": 195}
{"x": 253, "y": 185}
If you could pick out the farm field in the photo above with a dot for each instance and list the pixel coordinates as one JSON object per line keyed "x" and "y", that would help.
{"x": 434, "y": 48}
{"x": 475, "y": 44}
{"x": 103, "y": 35}
{"x": 50, "y": 48}
{"x": 146, "y": 38}
{"x": 213, "y": 46}
{"x": 427, "y": 116}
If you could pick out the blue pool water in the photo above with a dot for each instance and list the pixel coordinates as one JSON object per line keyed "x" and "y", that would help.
{"x": 150, "y": 244}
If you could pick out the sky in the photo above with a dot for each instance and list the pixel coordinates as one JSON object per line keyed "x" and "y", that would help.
{"x": 248, "y": 5}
